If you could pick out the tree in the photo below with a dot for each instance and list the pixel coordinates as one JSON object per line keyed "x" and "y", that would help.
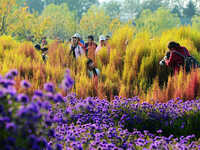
{"x": 6, "y": 11}
{"x": 25, "y": 24}
{"x": 157, "y": 22}
{"x": 189, "y": 12}
{"x": 77, "y": 6}
{"x": 112, "y": 8}
{"x": 130, "y": 9}
{"x": 196, "y": 22}
{"x": 62, "y": 21}
{"x": 153, "y": 5}
{"x": 176, "y": 11}
{"x": 22, "y": 23}
{"x": 94, "y": 22}
{"x": 133, "y": 8}
{"x": 35, "y": 5}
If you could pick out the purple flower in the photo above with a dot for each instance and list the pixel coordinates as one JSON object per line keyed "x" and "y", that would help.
{"x": 68, "y": 111}
{"x": 68, "y": 82}
{"x": 35, "y": 98}
{"x": 49, "y": 147}
{"x": 58, "y": 98}
{"x": 23, "y": 98}
{"x": 10, "y": 91}
{"x": 38, "y": 93}
{"x": 49, "y": 87}
{"x": 1, "y": 94}
{"x": 58, "y": 147}
{"x": 49, "y": 96}
{"x": 25, "y": 84}
{"x": 51, "y": 133}
{"x": 42, "y": 142}
{"x": 10, "y": 126}
{"x": 159, "y": 131}
{"x": 6, "y": 83}
{"x": 72, "y": 138}
{"x": 46, "y": 105}
{"x": 10, "y": 75}
{"x": 32, "y": 139}
{"x": 14, "y": 72}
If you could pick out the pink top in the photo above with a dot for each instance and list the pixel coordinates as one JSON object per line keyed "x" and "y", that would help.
{"x": 98, "y": 48}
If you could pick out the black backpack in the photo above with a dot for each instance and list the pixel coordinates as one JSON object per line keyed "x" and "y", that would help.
{"x": 189, "y": 61}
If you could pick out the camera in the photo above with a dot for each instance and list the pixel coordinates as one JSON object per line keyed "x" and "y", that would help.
{"x": 162, "y": 62}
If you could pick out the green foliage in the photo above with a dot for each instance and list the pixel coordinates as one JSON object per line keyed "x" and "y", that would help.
{"x": 94, "y": 22}
{"x": 78, "y": 6}
{"x": 189, "y": 11}
{"x": 153, "y": 5}
{"x": 196, "y": 22}
{"x": 131, "y": 8}
{"x": 62, "y": 21}
{"x": 7, "y": 8}
{"x": 157, "y": 22}
{"x": 112, "y": 8}
{"x": 35, "y": 5}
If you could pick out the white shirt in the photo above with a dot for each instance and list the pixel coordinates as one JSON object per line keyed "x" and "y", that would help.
{"x": 78, "y": 51}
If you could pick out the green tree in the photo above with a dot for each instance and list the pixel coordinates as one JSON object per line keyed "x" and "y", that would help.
{"x": 130, "y": 9}
{"x": 153, "y": 5}
{"x": 196, "y": 22}
{"x": 133, "y": 8}
{"x": 77, "y": 6}
{"x": 62, "y": 21}
{"x": 112, "y": 8}
{"x": 35, "y": 5}
{"x": 7, "y": 8}
{"x": 22, "y": 23}
{"x": 189, "y": 12}
{"x": 95, "y": 22}
{"x": 157, "y": 22}
{"x": 176, "y": 11}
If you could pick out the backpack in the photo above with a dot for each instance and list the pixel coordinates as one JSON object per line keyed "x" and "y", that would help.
{"x": 189, "y": 61}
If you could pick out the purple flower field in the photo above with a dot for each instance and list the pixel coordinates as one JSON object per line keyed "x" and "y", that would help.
{"x": 49, "y": 121}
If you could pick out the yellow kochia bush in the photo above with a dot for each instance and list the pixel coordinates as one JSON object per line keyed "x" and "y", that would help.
{"x": 130, "y": 68}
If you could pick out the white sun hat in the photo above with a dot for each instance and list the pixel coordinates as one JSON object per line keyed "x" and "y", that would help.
{"x": 102, "y": 38}
{"x": 76, "y": 35}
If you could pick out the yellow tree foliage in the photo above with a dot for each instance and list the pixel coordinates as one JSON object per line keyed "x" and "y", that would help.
{"x": 22, "y": 23}
{"x": 62, "y": 22}
{"x": 6, "y": 10}
{"x": 94, "y": 22}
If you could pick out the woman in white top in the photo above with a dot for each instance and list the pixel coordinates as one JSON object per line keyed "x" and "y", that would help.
{"x": 101, "y": 43}
{"x": 76, "y": 49}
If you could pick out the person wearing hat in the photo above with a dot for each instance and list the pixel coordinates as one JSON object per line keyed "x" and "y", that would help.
{"x": 76, "y": 49}
{"x": 80, "y": 40}
{"x": 101, "y": 43}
